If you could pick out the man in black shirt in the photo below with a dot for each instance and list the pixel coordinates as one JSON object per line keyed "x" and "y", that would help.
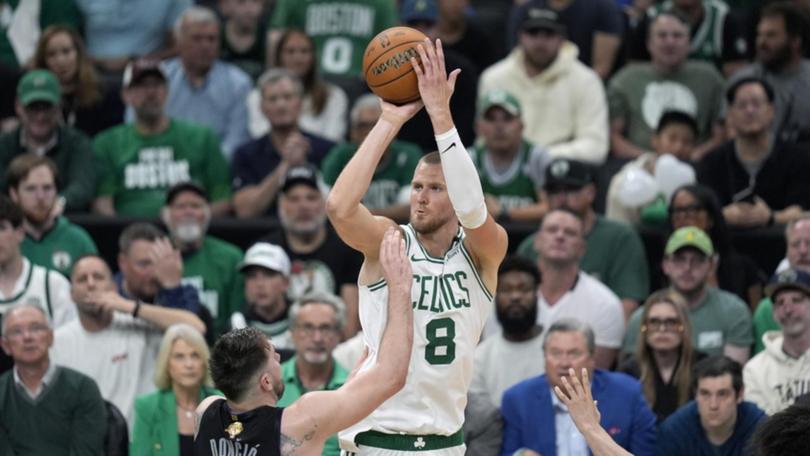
{"x": 245, "y": 366}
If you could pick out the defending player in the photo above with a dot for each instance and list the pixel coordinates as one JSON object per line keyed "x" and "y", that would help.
{"x": 246, "y": 368}
{"x": 454, "y": 271}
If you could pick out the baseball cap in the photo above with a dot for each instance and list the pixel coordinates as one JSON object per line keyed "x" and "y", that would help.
{"x": 39, "y": 85}
{"x": 268, "y": 256}
{"x": 689, "y": 236}
{"x": 137, "y": 69}
{"x": 300, "y": 174}
{"x": 187, "y": 186}
{"x": 788, "y": 279}
{"x": 419, "y": 10}
{"x": 542, "y": 18}
{"x": 564, "y": 172}
{"x": 501, "y": 99}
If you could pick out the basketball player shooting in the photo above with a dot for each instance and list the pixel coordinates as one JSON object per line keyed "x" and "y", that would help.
{"x": 454, "y": 271}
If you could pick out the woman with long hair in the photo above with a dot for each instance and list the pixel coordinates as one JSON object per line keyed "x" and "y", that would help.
{"x": 164, "y": 420}
{"x": 664, "y": 353}
{"x": 87, "y": 104}
{"x": 696, "y": 205}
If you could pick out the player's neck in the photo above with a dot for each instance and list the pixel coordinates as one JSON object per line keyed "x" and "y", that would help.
{"x": 437, "y": 242}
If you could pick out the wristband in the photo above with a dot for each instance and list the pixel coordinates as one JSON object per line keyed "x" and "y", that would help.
{"x": 137, "y": 308}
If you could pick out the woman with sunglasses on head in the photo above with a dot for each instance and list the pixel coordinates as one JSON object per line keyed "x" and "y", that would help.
{"x": 696, "y": 205}
{"x": 664, "y": 353}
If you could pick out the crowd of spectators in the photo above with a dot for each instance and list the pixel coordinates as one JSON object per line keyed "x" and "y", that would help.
{"x": 592, "y": 124}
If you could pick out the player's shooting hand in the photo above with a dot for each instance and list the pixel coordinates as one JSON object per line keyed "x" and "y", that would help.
{"x": 399, "y": 114}
{"x": 396, "y": 268}
{"x": 435, "y": 86}
{"x": 577, "y": 397}
{"x": 168, "y": 263}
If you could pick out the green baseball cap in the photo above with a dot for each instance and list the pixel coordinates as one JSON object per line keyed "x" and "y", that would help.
{"x": 501, "y": 99}
{"x": 39, "y": 85}
{"x": 689, "y": 236}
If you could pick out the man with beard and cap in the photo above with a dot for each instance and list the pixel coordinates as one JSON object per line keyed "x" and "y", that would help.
{"x": 51, "y": 240}
{"x": 506, "y": 358}
{"x": 209, "y": 263}
{"x": 316, "y": 322}
{"x": 320, "y": 261}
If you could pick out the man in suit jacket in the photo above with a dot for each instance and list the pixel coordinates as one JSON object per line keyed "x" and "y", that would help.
{"x": 536, "y": 422}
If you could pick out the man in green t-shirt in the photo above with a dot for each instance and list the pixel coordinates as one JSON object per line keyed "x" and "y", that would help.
{"x": 209, "y": 264}
{"x": 389, "y": 192}
{"x": 50, "y": 239}
{"x": 341, "y": 30}
{"x": 139, "y": 162}
{"x": 614, "y": 253}
{"x": 797, "y": 236}
{"x": 316, "y": 322}
{"x": 511, "y": 169}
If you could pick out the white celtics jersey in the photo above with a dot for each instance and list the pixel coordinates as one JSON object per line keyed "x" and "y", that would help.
{"x": 450, "y": 306}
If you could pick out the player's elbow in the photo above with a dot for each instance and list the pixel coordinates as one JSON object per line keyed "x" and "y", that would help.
{"x": 338, "y": 208}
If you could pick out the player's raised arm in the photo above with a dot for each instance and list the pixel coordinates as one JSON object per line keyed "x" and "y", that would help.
{"x": 487, "y": 239}
{"x": 327, "y": 412}
{"x": 354, "y": 222}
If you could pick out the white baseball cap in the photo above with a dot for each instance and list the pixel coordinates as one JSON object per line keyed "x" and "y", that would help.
{"x": 268, "y": 256}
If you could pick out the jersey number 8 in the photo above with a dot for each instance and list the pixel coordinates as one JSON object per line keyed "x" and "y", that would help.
{"x": 441, "y": 348}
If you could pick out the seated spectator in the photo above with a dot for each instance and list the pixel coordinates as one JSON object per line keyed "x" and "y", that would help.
{"x": 320, "y": 260}
{"x": 40, "y": 132}
{"x": 209, "y": 263}
{"x": 325, "y": 105}
{"x": 664, "y": 355}
{"x": 594, "y": 26}
{"x": 797, "y": 239}
{"x": 511, "y": 169}
{"x": 339, "y": 43}
{"x": 151, "y": 270}
{"x": 45, "y": 408}
{"x": 461, "y": 33}
{"x": 568, "y": 292}
{"x": 266, "y": 272}
{"x": 786, "y": 432}
{"x": 675, "y": 135}
{"x": 115, "y": 339}
{"x": 88, "y": 104}
{"x": 716, "y": 36}
{"x": 389, "y": 193}
{"x": 759, "y": 181}
{"x": 164, "y": 420}
{"x": 779, "y": 374}
{"x": 564, "y": 105}
{"x": 721, "y": 322}
{"x": 780, "y": 43}
{"x": 536, "y": 420}
{"x": 259, "y": 166}
{"x": 697, "y": 205}
{"x": 51, "y": 240}
{"x": 316, "y": 322}
{"x": 718, "y": 421}
{"x": 23, "y": 282}
{"x": 24, "y": 21}
{"x": 640, "y": 93}
{"x": 139, "y": 161}
{"x": 243, "y": 39}
{"x": 203, "y": 89}
{"x": 614, "y": 253}
{"x": 117, "y": 31}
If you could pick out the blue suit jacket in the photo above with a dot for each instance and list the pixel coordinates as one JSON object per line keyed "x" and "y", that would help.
{"x": 529, "y": 417}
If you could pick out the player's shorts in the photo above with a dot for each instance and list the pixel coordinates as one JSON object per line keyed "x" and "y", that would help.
{"x": 372, "y": 443}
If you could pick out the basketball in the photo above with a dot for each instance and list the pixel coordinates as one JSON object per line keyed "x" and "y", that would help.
{"x": 387, "y": 64}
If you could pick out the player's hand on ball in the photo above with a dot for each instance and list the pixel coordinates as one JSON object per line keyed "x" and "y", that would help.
{"x": 396, "y": 268}
{"x": 435, "y": 86}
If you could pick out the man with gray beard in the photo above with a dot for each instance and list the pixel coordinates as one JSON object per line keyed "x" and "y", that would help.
{"x": 320, "y": 261}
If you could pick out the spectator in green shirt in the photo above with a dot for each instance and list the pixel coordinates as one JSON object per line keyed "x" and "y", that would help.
{"x": 316, "y": 320}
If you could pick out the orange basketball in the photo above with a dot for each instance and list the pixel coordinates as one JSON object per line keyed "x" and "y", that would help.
{"x": 387, "y": 64}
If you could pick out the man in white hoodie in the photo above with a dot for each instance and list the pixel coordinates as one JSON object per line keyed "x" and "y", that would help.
{"x": 564, "y": 102}
{"x": 779, "y": 374}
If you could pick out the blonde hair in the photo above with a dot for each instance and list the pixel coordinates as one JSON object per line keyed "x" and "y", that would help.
{"x": 682, "y": 378}
{"x": 189, "y": 335}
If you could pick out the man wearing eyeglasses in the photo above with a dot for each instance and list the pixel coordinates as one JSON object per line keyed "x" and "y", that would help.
{"x": 721, "y": 322}
{"x": 316, "y": 323}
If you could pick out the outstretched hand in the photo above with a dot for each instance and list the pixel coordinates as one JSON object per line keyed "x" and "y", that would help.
{"x": 435, "y": 86}
{"x": 402, "y": 113}
{"x": 579, "y": 401}
{"x": 396, "y": 268}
